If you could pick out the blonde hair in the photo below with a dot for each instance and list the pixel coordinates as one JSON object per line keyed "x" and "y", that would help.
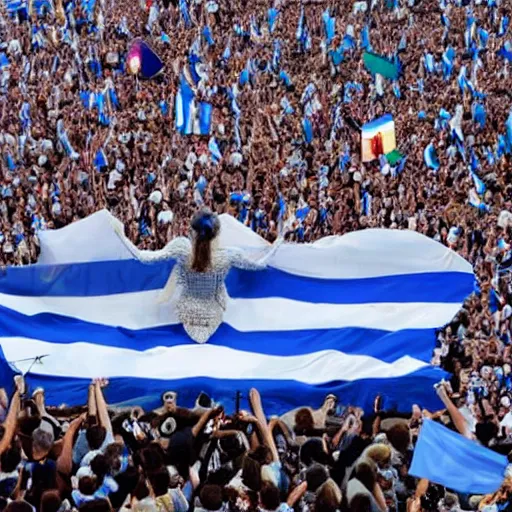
{"x": 380, "y": 453}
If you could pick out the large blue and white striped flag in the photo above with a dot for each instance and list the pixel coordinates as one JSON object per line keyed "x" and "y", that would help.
{"x": 353, "y": 315}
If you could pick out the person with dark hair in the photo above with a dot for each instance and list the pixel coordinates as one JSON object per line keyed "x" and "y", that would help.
{"x": 95, "y": 436}
{"x": 270, "y": 498}
{"x": 9, "y": 461}
{"x": 361, "y": 503}
{"x": 51, "y": 501}
{"x": 251, "y": 473}
{"x": 94, "y": 482}
{"x": 200, "y": 273}
{"x": 19, "y": 506}
{"x": 211, "y": 498}
{"x": 93, "y": 506}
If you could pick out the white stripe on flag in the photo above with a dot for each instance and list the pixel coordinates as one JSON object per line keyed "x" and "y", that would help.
{"x": 141, "y": 310}
{"x": 86, "y": 360}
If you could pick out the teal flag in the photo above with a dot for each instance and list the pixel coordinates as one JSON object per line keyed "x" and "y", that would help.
{"x": 375, "y": 63}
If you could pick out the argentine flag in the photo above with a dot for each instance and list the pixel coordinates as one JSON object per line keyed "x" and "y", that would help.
{"x": 354, "y": 315}
{"x": 192, "y": 117}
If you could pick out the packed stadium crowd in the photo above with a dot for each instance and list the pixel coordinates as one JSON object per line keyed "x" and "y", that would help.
{"x": 79, "y": 132}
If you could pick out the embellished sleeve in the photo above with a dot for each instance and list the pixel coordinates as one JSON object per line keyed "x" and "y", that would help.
{"x": 178, "y": 249}
{"x": 238, "y": 259}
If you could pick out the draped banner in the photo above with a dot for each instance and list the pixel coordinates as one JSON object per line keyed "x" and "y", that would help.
{"x": 354, "y": 315}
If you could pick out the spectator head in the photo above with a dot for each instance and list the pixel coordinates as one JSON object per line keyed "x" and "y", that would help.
{"x": 400, "y": 437}
{"x": 304, "y": 420}
{"x": 100, "y": 467}
{"x": 270, "y": 498}
{"x": 316, "y": 476}
{"x": 328, "y": 497}
{"x": 152, "y": 458}
{"x": 113, "y": 455}
{"x": 19, "y": 506}
{"x": 50, "y": 501}
{"x": 251, "y": 473}
{"x": 380, "y": 454}
{"x": 87, "y": 485}
{"x": 160, "y": 481}
{"x": 366, "y": 472}
{"x": 449, "y": 503}
{"x": 361, "y": 503}
{"x": 211, "y": 497}
{"x": 42, "y": 443}
{"x": 430, "y": 500}
{"x": 94, "y": 506}
{"x": 95, "y": 436}
{"x": 313, "y": 451}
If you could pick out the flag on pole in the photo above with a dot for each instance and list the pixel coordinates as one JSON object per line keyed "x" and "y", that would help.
{"x": 329, "y": 26}
{"x": 376, "y": 64}
{"x": 476, "y": 202}
{"x": 214, "y": 150}
{"x": 378, "y": 138}
{"x": 430, "y": 157}
{"x": 479, "y": 184}
{"x": 191, "y": 116}
{"x": 143, "y": 61}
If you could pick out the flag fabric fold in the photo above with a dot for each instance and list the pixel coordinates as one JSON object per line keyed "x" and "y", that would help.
{"x": 354, "y": 315}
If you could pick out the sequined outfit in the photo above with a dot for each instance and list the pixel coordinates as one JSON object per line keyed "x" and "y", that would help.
{"x": 202, "y": 297}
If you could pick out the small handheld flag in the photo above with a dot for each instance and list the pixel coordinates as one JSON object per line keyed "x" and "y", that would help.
{"x": 430, "y": 157}
{"x": 143, "y": 61}
{"x": 376, "y": 64}
{"x": 378, "y": 138}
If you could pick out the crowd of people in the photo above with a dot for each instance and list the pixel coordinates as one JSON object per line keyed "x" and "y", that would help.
{"x": 282, "y": 153}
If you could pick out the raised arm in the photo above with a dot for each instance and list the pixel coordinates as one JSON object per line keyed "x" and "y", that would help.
{"x": 10, "y": 422}
{"x": 12, "y": 416}
{"x": 103, "y": 417}
{"x": 255, "y": 400}
{"x": 65, "y": 460}
{"x": 178, "y": 248}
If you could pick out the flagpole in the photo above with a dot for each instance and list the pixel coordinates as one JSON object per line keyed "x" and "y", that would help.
{"x": 35, "y": 360}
